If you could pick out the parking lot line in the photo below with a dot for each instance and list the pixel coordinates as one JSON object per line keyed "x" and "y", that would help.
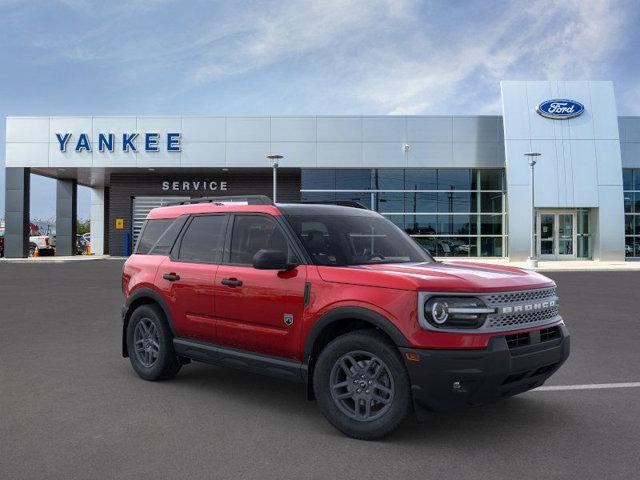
{"x": 591, "y": 386}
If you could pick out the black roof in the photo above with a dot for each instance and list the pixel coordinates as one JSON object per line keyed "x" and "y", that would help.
{"x": 323, "y": 209}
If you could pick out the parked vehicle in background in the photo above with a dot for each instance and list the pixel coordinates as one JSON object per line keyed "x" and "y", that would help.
{"x": 339, "y": 298}
{"x": 81, "y": 245}
{"x": 42, "y": 242}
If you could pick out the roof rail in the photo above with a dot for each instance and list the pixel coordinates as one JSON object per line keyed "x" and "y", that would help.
{"x": 249, "y": 199}
{"x": 340, "y": 203}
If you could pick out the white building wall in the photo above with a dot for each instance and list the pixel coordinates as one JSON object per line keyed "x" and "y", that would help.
{"x": 307, "y": 142}
{"x": 97, "y": 221}
{"x": 580, "y": 166}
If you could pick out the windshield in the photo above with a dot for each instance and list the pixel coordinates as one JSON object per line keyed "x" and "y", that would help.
{"x": 339, "y": 240}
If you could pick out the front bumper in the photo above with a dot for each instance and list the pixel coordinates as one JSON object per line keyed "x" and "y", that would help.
{"x": 449, "y": 379}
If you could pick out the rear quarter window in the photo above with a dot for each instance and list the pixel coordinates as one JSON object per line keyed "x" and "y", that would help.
{"x": 151, "y": 233}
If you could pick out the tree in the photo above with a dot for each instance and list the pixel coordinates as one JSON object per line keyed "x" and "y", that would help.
{"x": 84, "y": 226}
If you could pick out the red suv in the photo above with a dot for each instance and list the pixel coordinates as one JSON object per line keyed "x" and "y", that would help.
{"x": 338, "y": 298}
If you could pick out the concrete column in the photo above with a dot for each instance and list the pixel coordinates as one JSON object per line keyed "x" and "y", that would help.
{"x": 17, "y": 190}
{"x": 66, "y": 217}
{"x": 97, "y": 221}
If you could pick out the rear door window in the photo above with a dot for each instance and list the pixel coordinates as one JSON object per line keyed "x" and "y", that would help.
{"x": 203, "y": 241}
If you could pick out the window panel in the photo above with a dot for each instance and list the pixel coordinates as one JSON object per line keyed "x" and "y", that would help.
{"x": 491, "y": 247}
{"x": 636, "y": 179}
{"x": 491, "y": 224}
{"x": 318, "y": 179}
{"x": 421, "y": 202}
{"x": 399, "y": 220}
{"x": 318, "y": 196}
{"x": 353, "y": 179}
{"x": 491, "y": 202}
{"x": 421, "y": 179}
{"x": 491, "y": 179}
{"x": 389, "y": 179}
{"x": 457, "y": 224}
{"x": 363, "y": 198}
{"x": 465, "y": 204}
{"x": 449, "y": 246}
{"x": 629, "y": 224}
{"x": 421, "y": 224}
{"x": 459, "y": 202}
{"x": 632, "y": 246}
{"x": 627, "y": 178}
{"x": 390, "y": 202}
{"x": 628, "y": 202}
{"x": 454, "y": 179}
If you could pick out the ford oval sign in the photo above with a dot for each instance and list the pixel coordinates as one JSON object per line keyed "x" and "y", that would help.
{"x": 560, "y": 109}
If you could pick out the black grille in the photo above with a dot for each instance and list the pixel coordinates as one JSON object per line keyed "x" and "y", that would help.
{"x": 550, "y": 333}
{"x": 518, "y": 339}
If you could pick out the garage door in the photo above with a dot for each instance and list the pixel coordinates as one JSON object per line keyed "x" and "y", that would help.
{"x": 143, "y": 205}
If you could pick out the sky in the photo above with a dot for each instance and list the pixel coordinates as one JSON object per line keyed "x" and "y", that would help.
{"x": 161, "y": 57}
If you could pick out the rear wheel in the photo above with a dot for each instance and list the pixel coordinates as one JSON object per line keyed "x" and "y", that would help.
{"x": 362, "y": 385}
{"x": 150, "y": 344}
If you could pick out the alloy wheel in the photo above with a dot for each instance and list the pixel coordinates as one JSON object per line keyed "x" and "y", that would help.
{"x": 146, "y": 342}
{"x": 361, "y": 386}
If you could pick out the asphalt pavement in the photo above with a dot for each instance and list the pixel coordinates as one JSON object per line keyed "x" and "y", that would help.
{"x": 72, "y": 408}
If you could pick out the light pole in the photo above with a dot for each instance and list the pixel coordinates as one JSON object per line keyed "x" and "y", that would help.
{"x": 274, "y": 163}
{"x": 532, "y": 261}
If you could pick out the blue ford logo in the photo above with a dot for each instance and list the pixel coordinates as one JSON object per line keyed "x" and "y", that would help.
{"x": 560, "y": 109}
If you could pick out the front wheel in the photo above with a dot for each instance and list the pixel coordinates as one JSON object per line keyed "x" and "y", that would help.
{"x": 361, "y": 385}
{"x": 150, "y": 344}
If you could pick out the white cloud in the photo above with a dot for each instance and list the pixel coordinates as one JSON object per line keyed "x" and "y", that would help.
{"x": 393, "y": 56}
{"x": 542, "y": 40}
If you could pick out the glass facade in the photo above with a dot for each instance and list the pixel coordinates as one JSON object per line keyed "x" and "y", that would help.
{"x": 451, "y": 212}
{"x": 631, "y": 182}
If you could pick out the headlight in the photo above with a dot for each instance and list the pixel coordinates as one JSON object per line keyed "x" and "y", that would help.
{"x": 456, "y": 312}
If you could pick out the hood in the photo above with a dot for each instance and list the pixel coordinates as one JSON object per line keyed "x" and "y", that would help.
{"x": 438, "y": 277}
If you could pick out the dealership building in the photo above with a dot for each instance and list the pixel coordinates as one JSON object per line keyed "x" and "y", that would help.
{"x": 461, "y": 185}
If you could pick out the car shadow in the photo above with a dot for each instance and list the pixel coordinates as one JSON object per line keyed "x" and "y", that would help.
{"x": 530, "y": 412}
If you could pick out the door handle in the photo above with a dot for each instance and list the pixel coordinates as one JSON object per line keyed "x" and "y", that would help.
{"x": 231, "y": 282}
{"x": 172, "y": 277}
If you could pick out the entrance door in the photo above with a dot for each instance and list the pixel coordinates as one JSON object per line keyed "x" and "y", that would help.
{"x": 557, "y": 235}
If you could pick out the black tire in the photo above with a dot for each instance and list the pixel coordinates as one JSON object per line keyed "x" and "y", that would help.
{"x": 166, "y": 363}
{"x": 329, "y": 369}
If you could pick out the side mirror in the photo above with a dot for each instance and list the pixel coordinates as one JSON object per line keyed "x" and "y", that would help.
{"x": 272, "y": 260}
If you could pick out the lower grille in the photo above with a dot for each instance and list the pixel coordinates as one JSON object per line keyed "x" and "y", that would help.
{"x": 522, "y": 339}
{"x": 518, "y": 339}
{"x": 550, "y": 333}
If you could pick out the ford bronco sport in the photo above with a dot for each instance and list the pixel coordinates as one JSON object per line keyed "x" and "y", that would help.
{"x": 338, "y": 298}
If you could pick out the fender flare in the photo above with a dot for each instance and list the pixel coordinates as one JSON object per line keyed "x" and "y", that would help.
{"x": 353, "y": 313}
{"x": 139, "y": 294}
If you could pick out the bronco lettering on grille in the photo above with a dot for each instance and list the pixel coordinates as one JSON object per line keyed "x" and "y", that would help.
{"x": 527, "y": 307}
